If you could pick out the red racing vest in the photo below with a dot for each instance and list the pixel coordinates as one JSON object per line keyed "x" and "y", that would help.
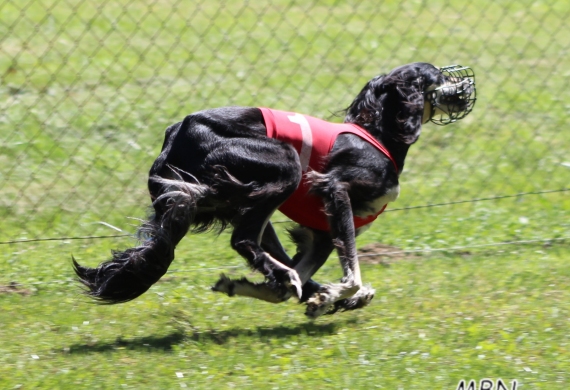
{"x": 313, "y": 139}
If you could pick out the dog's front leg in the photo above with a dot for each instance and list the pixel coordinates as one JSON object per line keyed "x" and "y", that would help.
{"x": 337, "y": 205}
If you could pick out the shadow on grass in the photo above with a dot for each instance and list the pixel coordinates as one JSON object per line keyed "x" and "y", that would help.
{"x": 166, "y": 343}
{"x": 150, "y": 343}
{"x": 261, "y": 333}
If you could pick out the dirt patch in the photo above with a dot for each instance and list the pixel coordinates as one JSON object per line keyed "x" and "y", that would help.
{"x": 14, "y": 288}
{"x": 377, "y": 253}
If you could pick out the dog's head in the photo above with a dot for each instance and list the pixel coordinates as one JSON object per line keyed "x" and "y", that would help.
{"x": 448, "y": 93}
{"x": 411, "y": 95}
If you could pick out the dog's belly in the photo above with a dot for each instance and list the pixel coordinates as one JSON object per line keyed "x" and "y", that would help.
{"x": 374, "y": 207}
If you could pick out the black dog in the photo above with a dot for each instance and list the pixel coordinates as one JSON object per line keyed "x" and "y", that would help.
{"x": 232, "y": 166}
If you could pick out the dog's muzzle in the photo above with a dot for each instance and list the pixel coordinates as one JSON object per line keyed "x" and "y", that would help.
{"x": 456, "y": 98}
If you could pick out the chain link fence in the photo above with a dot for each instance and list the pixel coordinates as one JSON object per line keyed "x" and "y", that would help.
{"x": 87, "y": 88}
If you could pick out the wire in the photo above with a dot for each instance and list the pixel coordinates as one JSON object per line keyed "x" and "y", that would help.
{"x": 426, "y": 250}
{"x": 62, "y": 238}
{"x": 40, "y": 239}
{"x": 479, "y": 199}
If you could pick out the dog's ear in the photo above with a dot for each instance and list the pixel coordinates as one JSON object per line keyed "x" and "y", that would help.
{"x": 377, "y": 86}
{"x": 366, "y": 109}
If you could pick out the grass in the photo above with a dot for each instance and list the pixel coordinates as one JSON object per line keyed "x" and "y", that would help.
{"x": 435, "y": 320}
{"x": 87, "y": 89}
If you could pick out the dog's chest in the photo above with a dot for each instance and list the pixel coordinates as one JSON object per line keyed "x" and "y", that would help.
{"x": 375, "y": 206}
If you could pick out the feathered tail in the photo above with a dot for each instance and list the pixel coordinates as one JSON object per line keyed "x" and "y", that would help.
{"x": 132, "y": 272}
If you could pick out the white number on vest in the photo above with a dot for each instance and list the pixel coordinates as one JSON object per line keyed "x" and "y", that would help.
{"x": 307, "y": 147}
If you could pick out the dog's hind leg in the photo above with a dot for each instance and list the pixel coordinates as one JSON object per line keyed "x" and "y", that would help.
{"x": 264, "y": 291}
{"x": 282, "y": 281}
{"x": 313, "y": 250}
{"x": 271, "y": 244}
{"x": 246, "y": 240}
{"x": 132, "y": 272}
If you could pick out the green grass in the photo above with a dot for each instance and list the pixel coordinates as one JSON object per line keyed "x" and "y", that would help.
{"x": 86, "y": 90}
{"x": 435, "y": 320}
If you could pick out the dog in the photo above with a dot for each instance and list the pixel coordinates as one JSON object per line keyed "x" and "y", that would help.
{"x": 234, "y": 166}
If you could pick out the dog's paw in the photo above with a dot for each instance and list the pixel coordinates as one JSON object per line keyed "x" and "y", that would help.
{"x": 361, "y": 299}
{"x": 224, "y": 285}
{"x": 320, "y": 303}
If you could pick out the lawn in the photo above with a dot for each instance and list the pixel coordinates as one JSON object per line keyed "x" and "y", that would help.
{"x": 86, "y": 91}
{"x": 436, "y": 319}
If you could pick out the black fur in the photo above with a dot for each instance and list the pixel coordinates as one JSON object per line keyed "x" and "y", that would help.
{"x": 218, "y": 168}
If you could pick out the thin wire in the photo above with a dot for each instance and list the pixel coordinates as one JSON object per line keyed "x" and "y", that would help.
{"x": 62, "y": 238}
{"x": 468, "y": 201}
{"x": 427, "y": 250}
{"x": 287, "y": 221}
{"x": 479, "y": 199}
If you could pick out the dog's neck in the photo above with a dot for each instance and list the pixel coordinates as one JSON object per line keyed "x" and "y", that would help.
{"x": 398, "y": 147}
{"x": 390, "y": 117}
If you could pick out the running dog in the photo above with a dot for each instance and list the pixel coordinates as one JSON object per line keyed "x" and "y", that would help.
{"x": 234, "y": 166}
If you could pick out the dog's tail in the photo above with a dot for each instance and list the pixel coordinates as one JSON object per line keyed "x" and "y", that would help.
{"x": 132, "y": 272}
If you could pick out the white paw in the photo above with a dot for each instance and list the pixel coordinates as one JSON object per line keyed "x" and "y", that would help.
{"x": 362, "y": 298}
{"x": 320, "y": 303}
{"x": 328, "y": 300}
